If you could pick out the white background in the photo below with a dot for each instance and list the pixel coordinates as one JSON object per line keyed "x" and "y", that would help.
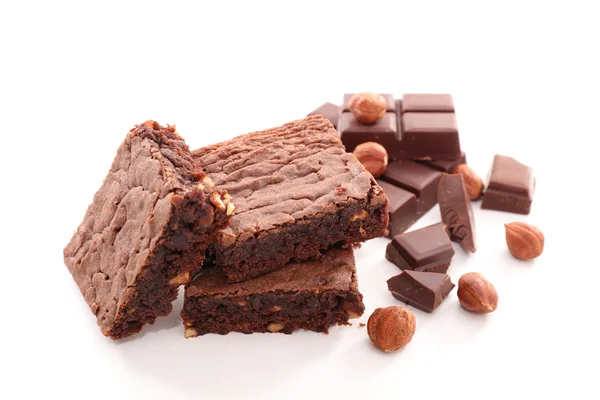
{"x": 74, "y": 77}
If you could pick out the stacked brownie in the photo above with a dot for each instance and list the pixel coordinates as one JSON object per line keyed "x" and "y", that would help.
{"x": 285, "y": 261}
{"x": 276, "y": 212}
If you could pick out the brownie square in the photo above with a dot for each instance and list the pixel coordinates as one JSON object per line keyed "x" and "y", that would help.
{"x": 329, "y": 111}
{"x": 430, "y": 135}
{"x": 296, "y": 192}
{"x": 416, "y": 178}
{"x": 424, "y": 102}
{"x": 146, "y": 231}
{"x": 308, "y": 295}
{"x": 384, "y": 131}
{"x": 389, "y": 99}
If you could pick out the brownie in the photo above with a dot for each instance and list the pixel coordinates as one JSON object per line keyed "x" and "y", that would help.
{"x": 308, "y": 295}
{"x": 296, "y": 191}
{"x": 146, "y": 231}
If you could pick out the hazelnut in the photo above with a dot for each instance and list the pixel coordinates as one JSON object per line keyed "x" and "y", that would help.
{"x": 373, "y": 157}
{"x": 524, "y": 241}
{"x": 391, "y": 328}
{"x": 367, "y": 107}
{"x": 180, "y": 279}
{"x": 477, "y": 294}
{"x": 275, "y": 326}
{"x": 473, "y": 183}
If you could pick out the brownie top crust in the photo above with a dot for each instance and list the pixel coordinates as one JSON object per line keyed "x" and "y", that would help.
{"x": 152, "y": 175}
{"x": 335, "y": 270}
{"x": 278, "y": 176}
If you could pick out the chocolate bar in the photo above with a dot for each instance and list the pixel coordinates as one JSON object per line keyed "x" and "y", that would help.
{"x": 425, "y": 128}
{"x": 510, "y": 188}
{"x": 456, "y": 210}
{"x": 427, "y": 249}
{"x": 423, "y": 290}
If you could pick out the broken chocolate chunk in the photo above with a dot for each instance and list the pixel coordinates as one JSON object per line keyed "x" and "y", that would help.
{"x": 426, "y": 249}
{"x": 456, "y": 210}
{"x": 423, "y": 290}
{"x": 510, "y": 188}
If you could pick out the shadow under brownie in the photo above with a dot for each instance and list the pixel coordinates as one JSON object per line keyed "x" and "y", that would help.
{"x": 145, "y": 232}
{"x": 308, "y": 295}
{"x": 296, "y": 192}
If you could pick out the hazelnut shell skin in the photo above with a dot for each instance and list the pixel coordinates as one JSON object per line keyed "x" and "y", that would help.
{"x": 391, "y": 328}
{"x": 476, "y": 294}
{"x": 373, "y": 157}
{"x": 473, "y": 183}
{"x": 367, "y": 107}
{"x": 524, "y": 241}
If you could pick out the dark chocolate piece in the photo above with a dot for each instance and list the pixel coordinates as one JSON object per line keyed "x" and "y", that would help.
{"x": 384, "y": 132}
{"x": 402, "y": 206}
{"x": 445, "y": 165}
{"x": 389, "y": 99}
{"x": 456, "y": 210}
{"x": 296, "y": 192}
{"x": 330, "y": 111}
{"x": 416, "y": 178}
{"x": 510, "y": 188}
{"x": 423, "y": 290}
{"x": 146, "y": 231}
{"x": 427, "y": 131}
{"x": 427, "y": 249}
{"x": 427, "y": 103}
{"x": 302, "y": 295}
{"x": 430, "y": 135}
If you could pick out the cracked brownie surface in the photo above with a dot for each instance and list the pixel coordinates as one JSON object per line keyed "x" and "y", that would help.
{"x": 296, "y": 191}
{"x": 308, "y": 295}
{"x": 146, "y": 231}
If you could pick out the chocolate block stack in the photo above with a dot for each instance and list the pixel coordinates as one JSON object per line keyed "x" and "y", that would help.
{"x": 285, "y": 262}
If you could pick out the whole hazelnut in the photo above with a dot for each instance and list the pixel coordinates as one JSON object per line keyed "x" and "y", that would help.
{"x": 477, "y": 294}
{"x": 473, "y": 183}
{"x": 391, "y": 328}
{"x": 524, "y": 241}
{"x": 367, "y": 107}
{"x": 373, "y": 157}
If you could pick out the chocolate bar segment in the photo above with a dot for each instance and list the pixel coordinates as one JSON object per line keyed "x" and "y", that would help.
{"x": 510, "y": 188}
{"x": 423, "y": 290}
{"x": 308, "y": 295}
{"x": 416, "y": 178}
{"x": 424, "y": 102}
{"x": 330, "y": 111}
{"x": 384, "y": 132}
{"x": 145, "y": 232}
{"x": 430, "y": 135}
{"x": 427, "y": 249}
{"x": 456, "y": 210}
{"x": 402, "y": 206}
{"x": 296, "y": 192}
